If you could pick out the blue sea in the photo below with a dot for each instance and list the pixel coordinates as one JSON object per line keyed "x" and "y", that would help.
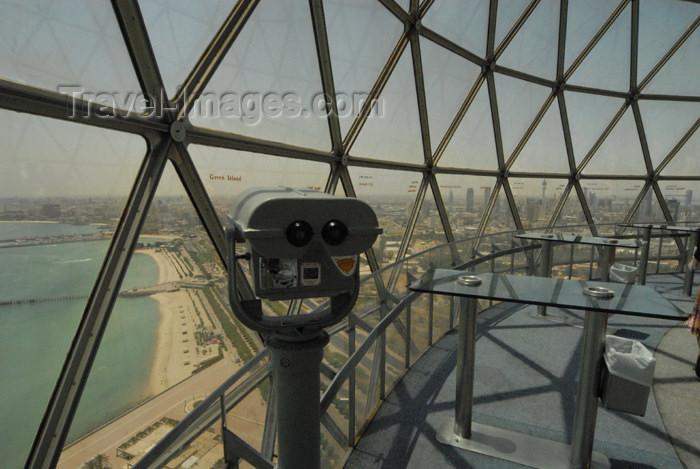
{"x": 35, "y": 337}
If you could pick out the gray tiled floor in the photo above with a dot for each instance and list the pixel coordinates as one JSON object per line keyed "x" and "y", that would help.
{"x": 525, "y": 380}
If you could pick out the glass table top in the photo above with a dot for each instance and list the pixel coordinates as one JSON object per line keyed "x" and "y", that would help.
{"x": 688, "y": 229}
{"x": 628, "y": 299}
{"x": 594, "y": 240}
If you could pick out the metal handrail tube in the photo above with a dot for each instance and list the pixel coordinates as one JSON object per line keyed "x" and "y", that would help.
{"x": 356, "y": 357}
{"x": 155, "y": 457}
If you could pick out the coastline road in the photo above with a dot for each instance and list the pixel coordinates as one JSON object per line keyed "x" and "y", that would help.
{"x": 170, "y": 403}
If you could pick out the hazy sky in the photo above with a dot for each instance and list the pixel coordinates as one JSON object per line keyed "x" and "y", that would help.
{"x": 269, "y": 82}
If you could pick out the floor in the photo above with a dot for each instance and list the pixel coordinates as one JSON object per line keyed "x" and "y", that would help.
{"x": 525, "y": 380}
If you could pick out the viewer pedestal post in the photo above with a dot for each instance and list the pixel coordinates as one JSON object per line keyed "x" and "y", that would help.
{"x": 296, "y": 367}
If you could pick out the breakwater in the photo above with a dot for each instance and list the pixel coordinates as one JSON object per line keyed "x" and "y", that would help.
{"x": 57, "y": 239}
{"x": 42, "y": 300}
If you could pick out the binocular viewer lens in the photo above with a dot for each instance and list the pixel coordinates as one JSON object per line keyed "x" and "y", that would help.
{"x": 299, "y": 233}
{"x": 334, "y": 233}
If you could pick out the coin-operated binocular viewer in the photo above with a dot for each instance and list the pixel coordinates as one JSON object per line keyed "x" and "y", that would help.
{"x": 299, "y": 244}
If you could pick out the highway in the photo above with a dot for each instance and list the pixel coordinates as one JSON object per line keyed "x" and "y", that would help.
{"x": 170, "y": 403}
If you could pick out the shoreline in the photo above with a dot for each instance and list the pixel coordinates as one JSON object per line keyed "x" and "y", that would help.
{"x": 176, "y": 351}
{"x": 165, "y": 370}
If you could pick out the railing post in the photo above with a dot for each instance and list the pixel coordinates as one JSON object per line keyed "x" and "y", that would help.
{"x": 407, "y": 350}
{"x": 688, "y": 280}
{"x": 230, "y": 458}
{"x": 644, "y": 260}
{"x": 381, "y": 350}
{"x": 431, "y": 317}
{"x": 658, "y": 257}
{"x": 571, "y": 260}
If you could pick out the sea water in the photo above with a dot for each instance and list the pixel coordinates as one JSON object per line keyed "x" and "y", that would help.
{"x": 35, "y": 337}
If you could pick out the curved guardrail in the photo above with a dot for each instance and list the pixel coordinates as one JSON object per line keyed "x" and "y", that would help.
{"x": 380, "y": 339}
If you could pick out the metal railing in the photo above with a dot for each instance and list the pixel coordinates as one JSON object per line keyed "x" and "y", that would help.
{"x": 389, "y": 328}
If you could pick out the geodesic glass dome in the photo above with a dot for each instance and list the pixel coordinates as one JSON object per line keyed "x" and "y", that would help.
{"x": 452, "y": 119}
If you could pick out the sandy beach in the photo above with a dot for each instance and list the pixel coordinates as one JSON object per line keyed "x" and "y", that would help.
{"x": 176, "y": 350}
{"x": 181, "y": 310}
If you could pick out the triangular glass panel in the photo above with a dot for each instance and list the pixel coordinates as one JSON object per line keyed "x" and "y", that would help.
{"x": 180, "y": 34}
{"x": 621, "y": 152}
{"x": 394, "y": 134}
{"x": 686, "y": 161}
{"x": 225, "y": 173}
{"x": 429, "y": 231}
{"x": 500, "y": 225}
{"x": 473, "y": 143}
{"x": 60, "y": 201}
{"x": 685, "y": 196}
{"x": 56, "y": 159}
{"x": 572, "y": 260}
{"x": 661, "y": 24}
{"x": 170, "y": 322}
{"x": 665, "y": 123}
{"x": 678, "y": 196}
{"x": 534, "y": 47}
{"x": 391, "y": 194}
{"x": 588, "y": 115}
{"x": 465, "y": 198}
{"x": 73, "y": 49}
{"x": 607, "y": 66}
{"x": 673, "y": 78}
{"x": 649, "y": 210}
{"x": 508, "y": 13}
{"x": 572, "y": 214}
{"x": 356, "y": 67}
{"x": 609, "y": 201}
{"x": 536, "y": 199}
{"x": 405, "y": 4}
{"x": 501, "y": 218}
{"x": 518, "y": 104}
{"x": 545, "y": 151}
{"x": 470, "y": 32}
{"x": 269, "y": 85}
{"x": 584, "y": 20}
{"x": 448, "y": 79}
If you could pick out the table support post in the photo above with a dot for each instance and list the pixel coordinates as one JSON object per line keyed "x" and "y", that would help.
{"x": 606, "y": 260}
{"x": 688, "y": 280}
{"x": 465, "y": 367}
{"x": 646, "y": 237}
{"x": 588, "y": 389}
{"x": 545, "y": 269}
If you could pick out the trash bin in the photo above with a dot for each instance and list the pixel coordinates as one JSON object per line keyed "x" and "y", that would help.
{"x": 622, "y": 273}
{"x": 627, "y": 375}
